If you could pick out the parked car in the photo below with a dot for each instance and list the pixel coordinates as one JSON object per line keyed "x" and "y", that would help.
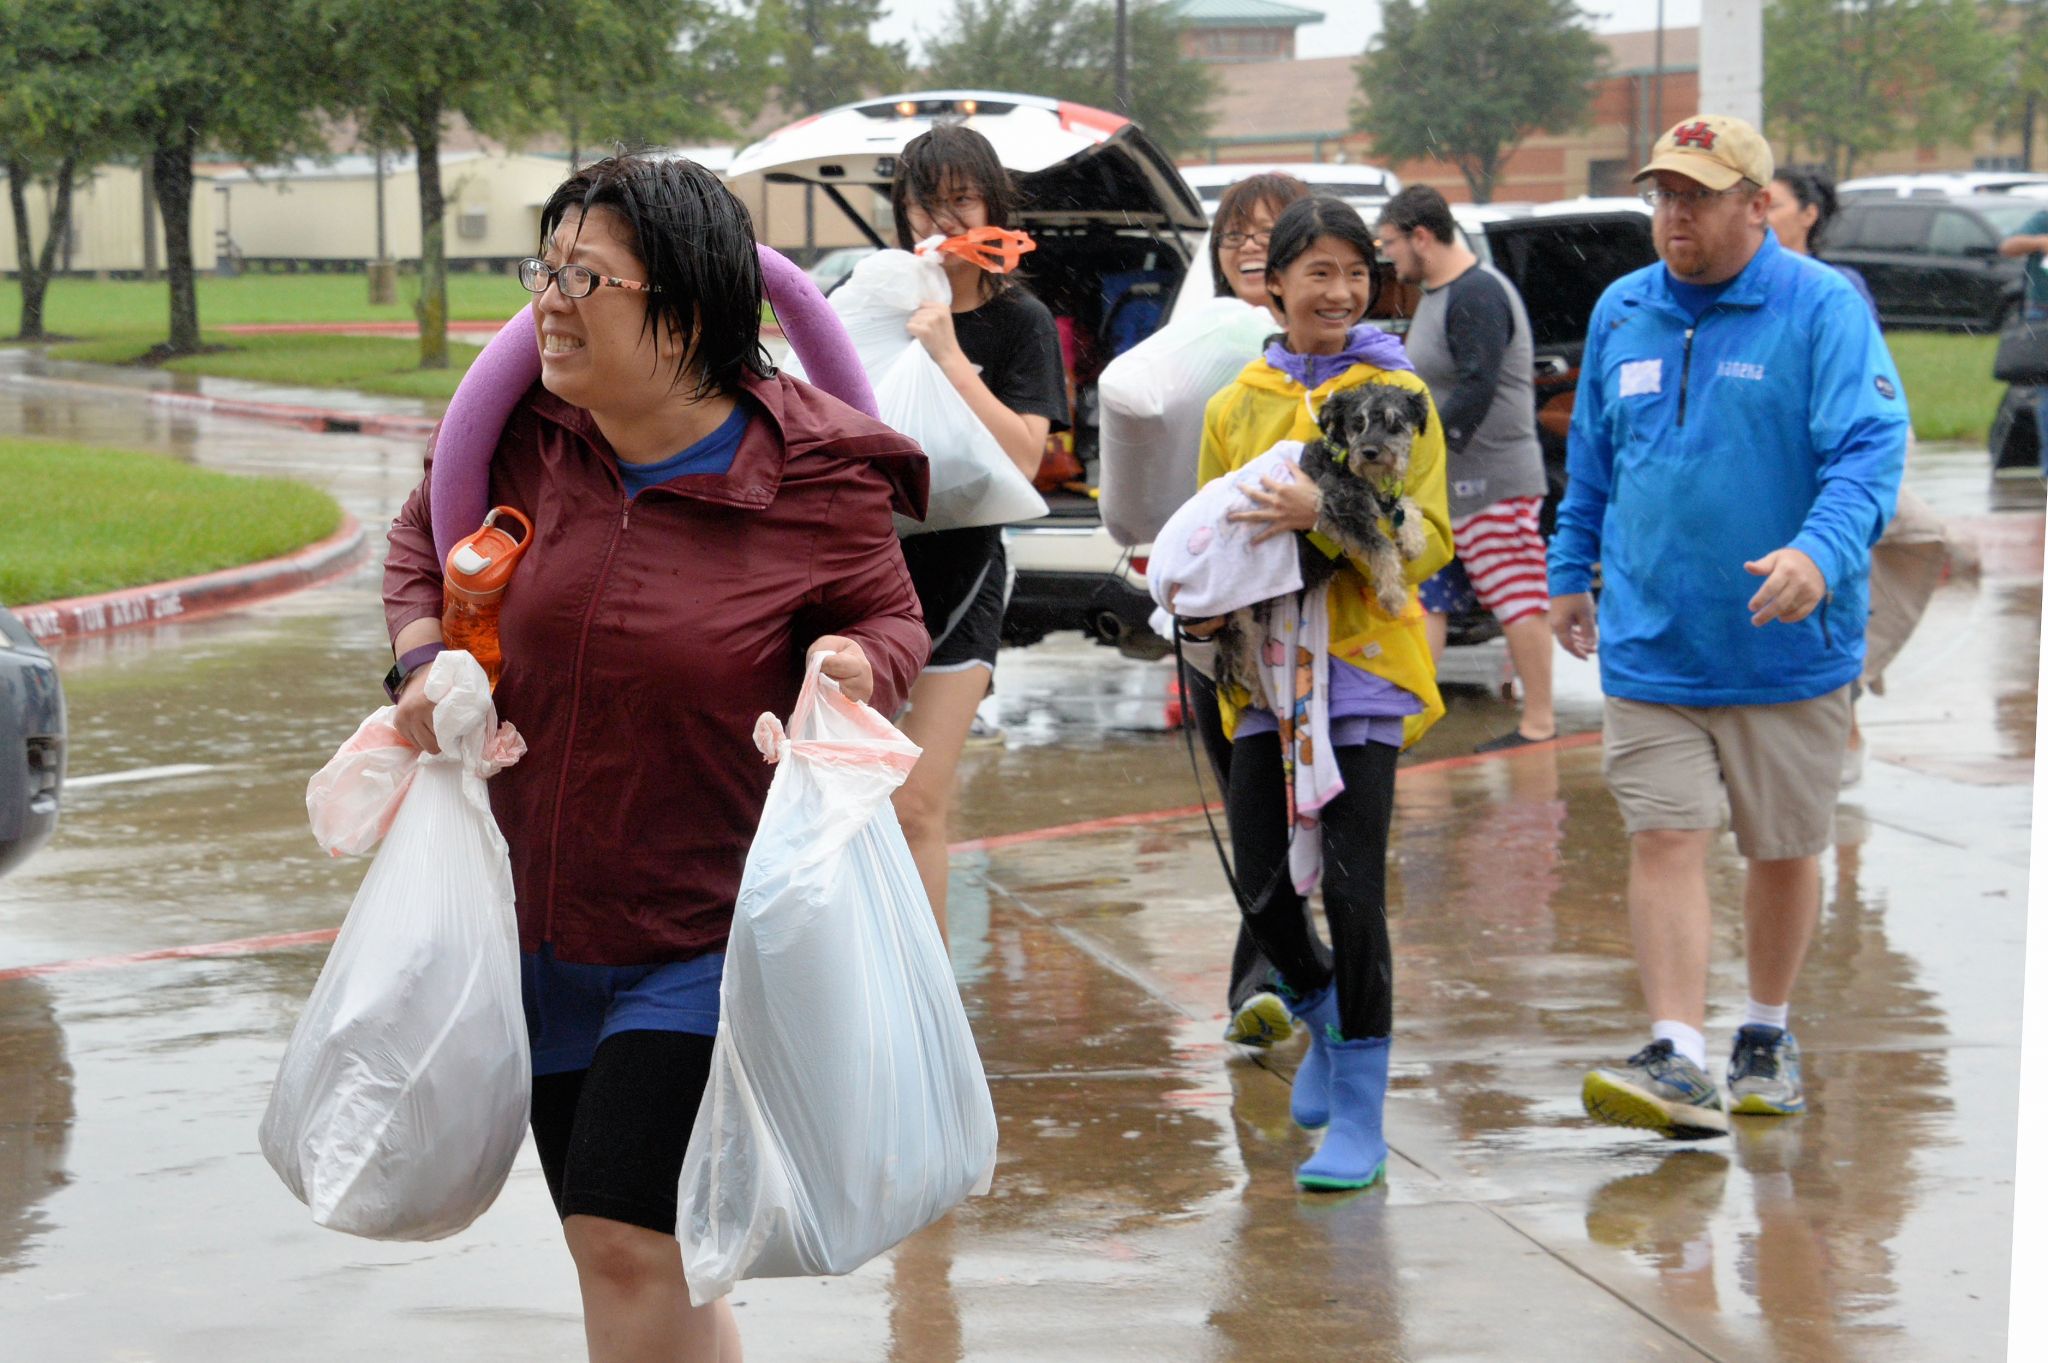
{"x": 1932, "y": 261}
{"x": 1115, "y": 225}
{"x": 1941, "y": 184}
{"x": 31, "y": 743}
{"x": 1358, "y": 185}
{"x": 830, "y": 270}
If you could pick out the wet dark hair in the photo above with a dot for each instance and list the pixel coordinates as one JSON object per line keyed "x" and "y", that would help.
{"x": 1310, "y": 218}
{"x": 952, "y": 152}
{"x": 1421, "y": 206}
{"x": 1271, "y": 190}
{"x": 696, "y": 242}
{"x": 1813, "y": 189}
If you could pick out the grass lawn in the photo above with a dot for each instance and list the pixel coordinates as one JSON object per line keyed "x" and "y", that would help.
{"x": 366, "y": 364}
{"x": 79, "y": 519}
{"x": 1948, "y": 382}
{"x": 88, "y": 308}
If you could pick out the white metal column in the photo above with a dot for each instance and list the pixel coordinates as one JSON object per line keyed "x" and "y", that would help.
{"x": 1731, "y": 59}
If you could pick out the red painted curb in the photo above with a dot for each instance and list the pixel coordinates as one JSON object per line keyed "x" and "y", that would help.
{"x": 204, "y": 594}
{"x": 245, "y": 946}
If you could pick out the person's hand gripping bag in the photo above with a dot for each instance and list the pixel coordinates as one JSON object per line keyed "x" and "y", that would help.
{"x": 1153, "y": 396}
{"x": 846, "y": 1108}
{"x": 973, "y": 482}
{"x": 402, "y": 1096}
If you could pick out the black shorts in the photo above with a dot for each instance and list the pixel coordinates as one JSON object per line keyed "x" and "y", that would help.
{"x": 611, "y": 1138}
{"x": 962, "y": 579}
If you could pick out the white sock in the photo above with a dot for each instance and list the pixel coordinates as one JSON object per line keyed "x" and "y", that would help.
{"x": 1766, "y": 1015}
{"x": 1684, "y": 1038}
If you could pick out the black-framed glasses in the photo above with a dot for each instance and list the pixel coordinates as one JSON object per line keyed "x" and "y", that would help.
{"x": 575, "y": 281}
{"x": 1233, "y": 240}
{"x": 1689, "y": 198}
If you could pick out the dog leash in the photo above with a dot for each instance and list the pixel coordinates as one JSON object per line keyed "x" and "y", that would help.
{"x": 1187, "y": 726}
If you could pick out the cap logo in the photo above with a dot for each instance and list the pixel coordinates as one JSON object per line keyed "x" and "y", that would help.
{"x": 1693, "y": 135}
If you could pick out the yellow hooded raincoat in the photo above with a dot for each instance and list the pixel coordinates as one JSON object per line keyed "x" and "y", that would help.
{"x": 1263, "y": 407}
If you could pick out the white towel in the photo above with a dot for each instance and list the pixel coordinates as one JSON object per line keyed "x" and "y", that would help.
{"x": 1294, "y": 663}
{"x": 1203, "y": 563}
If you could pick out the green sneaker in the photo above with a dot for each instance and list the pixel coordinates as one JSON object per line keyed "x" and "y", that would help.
{"x": 1763, "y": 1073}
{"x": 1260, "y": 1021}
{"x": 1657, "y": 1089}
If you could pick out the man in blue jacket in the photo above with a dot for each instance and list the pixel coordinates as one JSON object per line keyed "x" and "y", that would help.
{"x": 1735, "y": 450}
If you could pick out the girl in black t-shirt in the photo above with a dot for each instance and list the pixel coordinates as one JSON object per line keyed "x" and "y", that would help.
{"x": 998, "y": 346}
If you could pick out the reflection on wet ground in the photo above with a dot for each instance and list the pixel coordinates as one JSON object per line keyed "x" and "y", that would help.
{"x": 1143, "y": 1207}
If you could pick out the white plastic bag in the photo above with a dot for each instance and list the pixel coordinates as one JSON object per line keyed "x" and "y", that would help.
{"x": 847, "y": 1107}
{"x": 1152, "y": 400}
{"x": 972, "y": 481}
{"x": 402, "y": 1097}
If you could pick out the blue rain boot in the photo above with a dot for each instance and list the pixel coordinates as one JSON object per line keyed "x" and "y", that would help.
{"x": 1354, "y": 1151}
{"x": 1310, "y": 1099}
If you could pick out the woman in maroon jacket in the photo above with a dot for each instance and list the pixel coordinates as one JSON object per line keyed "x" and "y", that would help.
{"x": 701, "y": 525}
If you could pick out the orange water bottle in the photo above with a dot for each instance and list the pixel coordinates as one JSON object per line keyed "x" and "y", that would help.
{"x": 473, "y": 588}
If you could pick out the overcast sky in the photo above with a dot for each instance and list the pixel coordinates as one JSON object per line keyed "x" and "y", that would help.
{"x": 1343, "y": 34}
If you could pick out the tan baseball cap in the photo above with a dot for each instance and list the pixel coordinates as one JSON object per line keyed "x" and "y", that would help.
{"x": 1714, "y": 149}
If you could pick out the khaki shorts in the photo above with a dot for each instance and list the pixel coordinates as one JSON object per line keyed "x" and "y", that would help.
{"x": 1775, "y": 769}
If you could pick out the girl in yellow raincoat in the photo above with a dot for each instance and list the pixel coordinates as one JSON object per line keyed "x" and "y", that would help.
{"x": 1381, "y": 696}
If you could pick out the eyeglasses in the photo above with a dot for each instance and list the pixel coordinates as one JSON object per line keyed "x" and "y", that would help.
{"x": 575, "y": 281}
{"x": 1232, "y": 240}
{"x": 1689, "y": 198}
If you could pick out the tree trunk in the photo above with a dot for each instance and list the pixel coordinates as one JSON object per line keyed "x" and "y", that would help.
{"x": 1480, "y": 173}
{"x": 171, "y": 166}
{"x": 432, "y": 308}
{"x": 24, "y": 258}
{"x": 33, "y": 268}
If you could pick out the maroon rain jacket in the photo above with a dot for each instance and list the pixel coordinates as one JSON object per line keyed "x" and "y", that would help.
{"x": 643, "y": 639}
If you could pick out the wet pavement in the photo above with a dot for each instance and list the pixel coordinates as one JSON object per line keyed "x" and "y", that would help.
{"x": 1143, "y": 1206}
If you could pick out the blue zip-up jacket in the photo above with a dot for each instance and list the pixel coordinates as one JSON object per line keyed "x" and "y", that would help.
{"x": 1777, "y": 420}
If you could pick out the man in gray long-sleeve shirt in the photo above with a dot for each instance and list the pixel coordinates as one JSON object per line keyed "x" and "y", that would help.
{"x": 1470, "y": 342}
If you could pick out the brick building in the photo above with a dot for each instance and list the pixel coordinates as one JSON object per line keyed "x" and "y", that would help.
{"x": 1301, "y": 111}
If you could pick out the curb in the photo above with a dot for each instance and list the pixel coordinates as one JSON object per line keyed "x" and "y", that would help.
{"x": 316, "y": 419}
{"x": 202, "y": 595}
{"x": 485, "y": 329}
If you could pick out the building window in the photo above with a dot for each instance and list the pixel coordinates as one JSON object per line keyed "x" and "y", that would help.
{"x": 1607, "y": 178}
{"x": 1996, "y": 163}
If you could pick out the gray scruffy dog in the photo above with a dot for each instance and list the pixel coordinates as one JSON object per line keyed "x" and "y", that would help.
{"x": 1360, "y": 465}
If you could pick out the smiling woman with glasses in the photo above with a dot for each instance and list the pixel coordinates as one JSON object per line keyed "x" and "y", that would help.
{"x": 702, "y": 526}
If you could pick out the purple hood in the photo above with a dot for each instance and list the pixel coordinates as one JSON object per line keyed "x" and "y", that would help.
{"x": 1367, "y": 344}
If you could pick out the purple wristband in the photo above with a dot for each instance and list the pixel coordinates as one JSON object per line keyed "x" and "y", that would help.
{"x": 408, "y": 663}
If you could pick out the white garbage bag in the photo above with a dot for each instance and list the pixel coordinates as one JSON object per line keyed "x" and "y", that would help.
{"x": 402, "y": 1097}
{"x": 1152, "y": 398}
{"x": 972, "y": 481}
{"x": 847, "y": 1107}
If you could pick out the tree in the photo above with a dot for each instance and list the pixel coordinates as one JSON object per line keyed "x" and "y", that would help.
{"x": 613, "y": 86}
{"x": 824, "y": 54}
{"x": 229, "y": 74}
{"x": 2021, "y": 89}
{"x": 55, "y": 122}
{"x": 1067, "y": 49}
{"x": 1846, "y": 79}
{"x": 1466, "y": 81}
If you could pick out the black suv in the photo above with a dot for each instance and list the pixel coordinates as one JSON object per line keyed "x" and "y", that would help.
{"x": 1934, "y": 262}
{"x": 31, "y": 743}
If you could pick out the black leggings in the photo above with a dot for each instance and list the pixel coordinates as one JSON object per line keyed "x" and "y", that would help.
{"x": 1355, "y": 827}
{"x": 1250, "y": 972}
{"x": 611, "y": 1138}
